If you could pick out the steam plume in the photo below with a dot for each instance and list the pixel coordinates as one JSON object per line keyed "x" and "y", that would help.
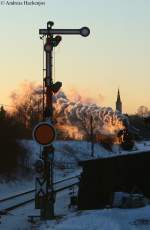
{"x": 74, "y": 117}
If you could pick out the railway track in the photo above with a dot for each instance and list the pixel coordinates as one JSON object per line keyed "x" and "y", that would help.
{"x": 12, "y": 202}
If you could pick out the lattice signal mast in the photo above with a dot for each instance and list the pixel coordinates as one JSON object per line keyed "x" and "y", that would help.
{"x": 53, "y": 38}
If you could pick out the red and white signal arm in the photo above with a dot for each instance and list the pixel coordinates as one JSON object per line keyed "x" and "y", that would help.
{"x": 44, "y": 133}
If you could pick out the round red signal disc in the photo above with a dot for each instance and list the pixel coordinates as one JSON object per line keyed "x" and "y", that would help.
{"x": 44, "y": 133}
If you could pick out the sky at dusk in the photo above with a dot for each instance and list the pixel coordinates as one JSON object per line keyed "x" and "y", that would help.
{"x": 116, "y": 54}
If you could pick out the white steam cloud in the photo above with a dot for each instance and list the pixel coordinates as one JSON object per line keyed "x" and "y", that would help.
{"x": 75, "y": 117}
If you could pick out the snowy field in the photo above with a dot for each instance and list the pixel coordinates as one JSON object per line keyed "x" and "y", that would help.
{"x": 73, "y": 151}
{"x": 65, "y": 152}
{"x": 106, "y": 219}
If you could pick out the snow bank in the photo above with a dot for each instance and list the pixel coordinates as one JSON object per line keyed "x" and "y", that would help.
{"x": 73, "y": 151}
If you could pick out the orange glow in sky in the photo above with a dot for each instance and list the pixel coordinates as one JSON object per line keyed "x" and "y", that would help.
{"x": 116, "y": 54}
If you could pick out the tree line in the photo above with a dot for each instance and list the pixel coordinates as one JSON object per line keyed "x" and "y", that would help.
{"x": 27, "y": 112}
{"x": 11, "y": 152}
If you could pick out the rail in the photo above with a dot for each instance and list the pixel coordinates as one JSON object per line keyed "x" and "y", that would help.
{"x": 4, "y": 211}
{"x": 33, "y": 190}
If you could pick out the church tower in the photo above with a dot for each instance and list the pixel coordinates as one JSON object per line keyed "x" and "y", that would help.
{"x": 118, "y": 102}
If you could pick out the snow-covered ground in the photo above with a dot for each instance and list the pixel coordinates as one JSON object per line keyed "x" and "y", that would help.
{"x": 22, "y": 185}
{"x": 106, "y": 219}
{"x": 71, "y": 152}
{"x": 65, "y": 152}
{"x": 14, "y": 187}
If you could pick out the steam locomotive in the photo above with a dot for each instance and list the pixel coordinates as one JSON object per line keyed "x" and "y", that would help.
{"x": 128, "y": 135}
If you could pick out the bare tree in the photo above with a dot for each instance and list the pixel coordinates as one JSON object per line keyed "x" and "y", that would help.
{"x": 28, "y": 103}
{"x": 143, "y": 111}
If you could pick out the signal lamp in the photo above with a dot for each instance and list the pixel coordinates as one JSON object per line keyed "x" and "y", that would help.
{"x": 56, "y": 86}
{"x": 48, "y": 45}
{"x": 56, "y": 40}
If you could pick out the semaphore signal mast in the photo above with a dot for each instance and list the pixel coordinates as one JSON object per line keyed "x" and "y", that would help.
{"x": 44, "y": 132}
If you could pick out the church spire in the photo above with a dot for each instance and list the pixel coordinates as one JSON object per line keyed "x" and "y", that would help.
{"x": 118, "y": 96}
{"x": 118, "y": 102}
